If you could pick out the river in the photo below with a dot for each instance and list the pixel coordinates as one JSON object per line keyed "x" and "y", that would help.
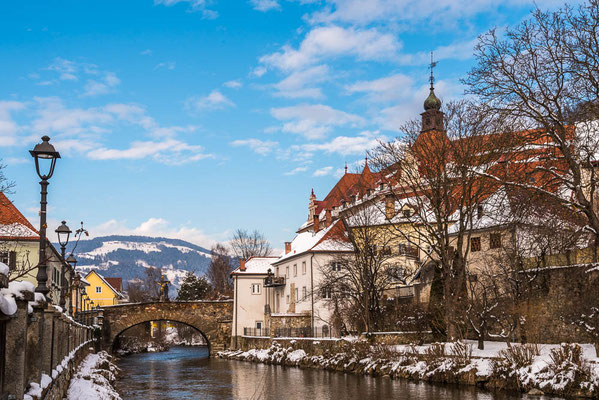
{"x": 188, "y": 373}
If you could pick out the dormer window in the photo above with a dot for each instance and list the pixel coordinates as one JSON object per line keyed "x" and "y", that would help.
{"x": 479, "y": 212}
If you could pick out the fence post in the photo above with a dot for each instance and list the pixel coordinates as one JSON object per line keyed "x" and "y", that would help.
{"x": 16, "y": 343}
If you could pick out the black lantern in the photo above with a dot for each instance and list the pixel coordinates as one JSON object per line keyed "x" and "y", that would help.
{"x": 63, "y": 232}
{"x": 48, "y": 155}
{"x": 46, "y": 152}
{"x": 72, "y": 261}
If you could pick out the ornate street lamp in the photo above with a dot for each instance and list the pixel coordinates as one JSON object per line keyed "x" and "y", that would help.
{"x": 72, "y": 261}
{"x": 45, "y": 160}
{"x": 63, "y": 232}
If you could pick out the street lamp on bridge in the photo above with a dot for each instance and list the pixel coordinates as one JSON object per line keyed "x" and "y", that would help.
{"x": 45, "y": 156}
{"x": 63, "y": 232}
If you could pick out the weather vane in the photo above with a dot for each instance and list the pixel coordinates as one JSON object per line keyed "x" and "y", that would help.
{"x": 433, "y": 65}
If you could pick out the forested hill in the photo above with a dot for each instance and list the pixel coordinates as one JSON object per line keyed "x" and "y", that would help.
{"x": 128, "y": 257}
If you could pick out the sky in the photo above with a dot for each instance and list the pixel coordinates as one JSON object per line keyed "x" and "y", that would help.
{"x": 192, "y": 118}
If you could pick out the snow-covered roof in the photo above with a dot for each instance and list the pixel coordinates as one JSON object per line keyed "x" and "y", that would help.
{"x": 256, "y": 265}
{"x": 323, "y": 240}
{"x": 16, "y": 230}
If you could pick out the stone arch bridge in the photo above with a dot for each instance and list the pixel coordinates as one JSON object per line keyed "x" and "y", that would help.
{"x": 212, "y": 318}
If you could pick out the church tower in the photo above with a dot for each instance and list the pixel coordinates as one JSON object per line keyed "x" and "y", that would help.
{"x": 432, "y": 117}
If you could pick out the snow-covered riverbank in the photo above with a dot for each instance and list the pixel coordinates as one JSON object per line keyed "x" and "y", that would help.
{"x": 564, "y": 370}
{"x": 94, "y": 380}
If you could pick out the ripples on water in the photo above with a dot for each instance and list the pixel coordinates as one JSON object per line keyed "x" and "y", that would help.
{"x": 188, "y": 373}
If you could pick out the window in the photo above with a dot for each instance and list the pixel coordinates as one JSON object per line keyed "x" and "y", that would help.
{"x": 479, "y": 212}
{"x": 303, "y": 268}
{"x": 303, "y": 292}
{"x": 98, "y": 289}
{"x": 4, "y": 257}
{"x": 495, "y": 240}
{"x": 258, "y": 324}
{"x": 475, "y": 244}
{"x": 294, "y": 269}
{"x": 325, "y": 293}
{"x": 407, "y": 213}
{"x": 336, "y": 266}
{"x": 287, "y": 271}
{"x": 255, "y": 288}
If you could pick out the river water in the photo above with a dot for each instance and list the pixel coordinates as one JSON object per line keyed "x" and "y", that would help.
{"x": 188, "y": 373}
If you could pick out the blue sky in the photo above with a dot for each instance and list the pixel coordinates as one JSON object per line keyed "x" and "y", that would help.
{"x": 191, "y": 118}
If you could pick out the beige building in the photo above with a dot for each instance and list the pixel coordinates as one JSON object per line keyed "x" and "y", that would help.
{"x": 19, "y": 249}
{"x": 251, "y": 297}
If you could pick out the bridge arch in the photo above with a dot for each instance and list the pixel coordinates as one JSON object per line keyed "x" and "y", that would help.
{"x": 211, "y": 318}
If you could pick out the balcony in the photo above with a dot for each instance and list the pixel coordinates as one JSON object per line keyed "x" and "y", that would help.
{"x": 274, "y": 281}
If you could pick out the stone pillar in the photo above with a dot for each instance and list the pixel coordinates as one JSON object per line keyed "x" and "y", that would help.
{"x": 16, "y": 343}
{"x": 34, "y": 344}
{"x": 46, "y": 341}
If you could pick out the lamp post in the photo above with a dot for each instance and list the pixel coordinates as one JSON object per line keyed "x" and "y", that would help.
{"x": 72, "y": 261}
{"x": 63, "y": 232}
{"x": 45, "y": 160}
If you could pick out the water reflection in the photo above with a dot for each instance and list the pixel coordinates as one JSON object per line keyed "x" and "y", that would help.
{"x": 187, "y": 373}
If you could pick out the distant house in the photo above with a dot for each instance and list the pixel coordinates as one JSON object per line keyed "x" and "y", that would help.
{"x": 101, "y": 290}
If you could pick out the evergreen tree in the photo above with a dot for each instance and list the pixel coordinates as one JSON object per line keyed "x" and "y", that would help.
{"x": 194, "y": 288}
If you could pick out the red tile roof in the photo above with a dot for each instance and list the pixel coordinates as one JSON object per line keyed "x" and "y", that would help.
{"x": 9, "y": 214}
{"x": 116, "y": 283}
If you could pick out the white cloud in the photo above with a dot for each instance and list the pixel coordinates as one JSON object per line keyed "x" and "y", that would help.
{"x": 439, "y": 13}
{"x": 335, "y": 41}
{"x": 66, "y": 69}
{"x": 296, "y": 171}
{"x": 262, "y": 147}
{"x": 313, "y": 121}
{"x": 234, "y": 84}
{"x": 168, "y": 151}
{"x": 324, "y": 171}
{"x": 265, "y": 5}
{"x": 194, "y": 6}
{"x": 213, "y": 101}
{"x": 294, "y": 85}
{"x": 170, "y": 65}
{"x": 389, "y": 88}
{"x": 106, "y": 85}
{"x": 8, "y": 127}
{"x": 16, "y": 160}
{"x": 259, "y": 71}
{"x": 146, "y": 52}
{"x": 159, "y": 227}
{"x": 346, "y": 145}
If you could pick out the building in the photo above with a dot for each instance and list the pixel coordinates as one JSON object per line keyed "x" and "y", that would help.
{"x": 101, "y": 291}
{"x": 302, "y": 302}
{"x": 252, "y": 298}
{"x": 19, "y": 249}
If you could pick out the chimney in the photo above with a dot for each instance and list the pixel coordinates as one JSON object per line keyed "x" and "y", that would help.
{"x": 328, "y": 218}
{"x": 242, "y": 265}
{"x": 287, "y": 247}
{"x": 316, "y": 224}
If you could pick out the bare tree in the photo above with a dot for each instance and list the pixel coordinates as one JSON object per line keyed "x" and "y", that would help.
{"x": 219, "y": 272}
{"x": 357, "y": 281}
{"x": 434, "y": 181}
{"x": 247, "y": 244}
{"x": 543, "y": 77}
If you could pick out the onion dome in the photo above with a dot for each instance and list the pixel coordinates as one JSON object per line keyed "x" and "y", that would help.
{"x": 432, "y": 102}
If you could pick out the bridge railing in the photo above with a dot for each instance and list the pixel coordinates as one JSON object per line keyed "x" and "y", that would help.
{"x": 284, "y": 332}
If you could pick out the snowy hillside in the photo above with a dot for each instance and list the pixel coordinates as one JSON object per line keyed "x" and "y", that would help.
{"x": 128, "y": 257}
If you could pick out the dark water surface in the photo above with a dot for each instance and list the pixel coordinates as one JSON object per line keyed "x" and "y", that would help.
{"x": 188, "y": 373}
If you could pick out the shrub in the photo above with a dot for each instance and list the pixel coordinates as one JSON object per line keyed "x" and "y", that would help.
{"x": 462, "y": 353}
{"x": 434, "y": 352}
{"x": 568, "y": 357}
{"x": 519, "y": 356}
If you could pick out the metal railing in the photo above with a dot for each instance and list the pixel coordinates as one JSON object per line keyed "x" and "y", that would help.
{"x": 256, "y": 332}
{"x": 318, "y": 332}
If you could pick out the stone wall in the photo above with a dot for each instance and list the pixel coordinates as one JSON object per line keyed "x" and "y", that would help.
{"x": 41, "y": 341}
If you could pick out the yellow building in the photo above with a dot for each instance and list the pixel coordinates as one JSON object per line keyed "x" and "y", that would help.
{"x": 100, "y": 291}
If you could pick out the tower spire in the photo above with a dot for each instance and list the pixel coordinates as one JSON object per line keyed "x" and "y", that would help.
{"x": 431, "y": 67}
{"x": 346, "y": 167}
